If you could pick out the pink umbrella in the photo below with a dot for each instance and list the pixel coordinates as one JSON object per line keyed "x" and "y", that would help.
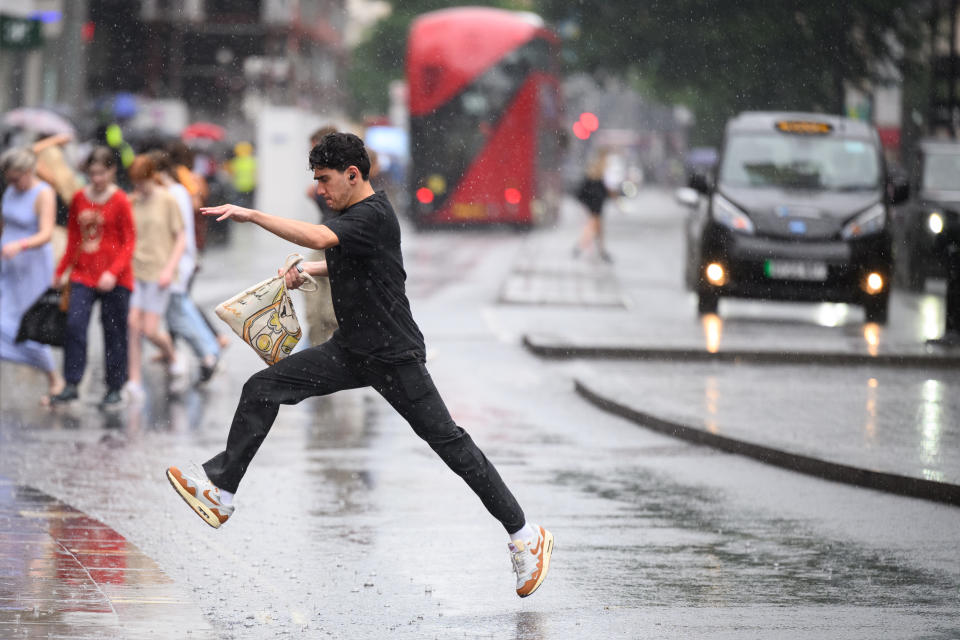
{"x": 39, "y": 120}
{"x": 203, "y": 130}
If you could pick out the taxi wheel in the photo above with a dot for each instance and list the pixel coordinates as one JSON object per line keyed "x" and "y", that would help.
{"x": 707, "y": 302}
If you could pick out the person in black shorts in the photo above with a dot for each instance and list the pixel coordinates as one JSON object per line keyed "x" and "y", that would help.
{"x": 377, "y": 344}
{"x": 592, "y": 193}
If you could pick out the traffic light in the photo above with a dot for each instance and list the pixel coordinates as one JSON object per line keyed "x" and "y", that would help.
{"x": 587, "y": 124}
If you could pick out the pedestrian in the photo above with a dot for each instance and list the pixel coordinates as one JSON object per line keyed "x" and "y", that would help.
{"x": 97, "y": 261}
{"x": 321, "y": 319}
{"x": 183, "y": 317}
{"x": 160, "y": 243}
{"x": 242, "y": 168}
{"x": 592, "y": 193}
{"x": 27, "y": 214}
{"x": 54, "y": 169}
{"x": 378, "y": 344}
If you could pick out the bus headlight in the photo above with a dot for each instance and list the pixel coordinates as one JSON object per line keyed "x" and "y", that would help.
{"x": 730, "y": 215}
{"x": 935, "y": 222}
{"x": 870, "y": 221}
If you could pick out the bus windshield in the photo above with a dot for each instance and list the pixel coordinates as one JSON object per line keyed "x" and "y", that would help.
{"x": 800, "y": 162}
{"x": 448, "y": 139}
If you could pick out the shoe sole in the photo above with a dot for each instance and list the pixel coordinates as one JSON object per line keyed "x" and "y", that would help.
{"x": 198, "y": 507}
{"x": 547, "y": 552}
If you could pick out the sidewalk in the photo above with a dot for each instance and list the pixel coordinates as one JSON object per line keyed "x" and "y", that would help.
{"x": 64, "y": 574}
{"x": 830, "y": 396}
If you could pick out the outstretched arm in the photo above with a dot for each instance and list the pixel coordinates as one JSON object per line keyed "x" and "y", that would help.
{"x": 305, "y": 234}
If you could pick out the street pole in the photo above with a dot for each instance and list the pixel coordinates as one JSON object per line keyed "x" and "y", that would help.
{"x": 73, "y": 78}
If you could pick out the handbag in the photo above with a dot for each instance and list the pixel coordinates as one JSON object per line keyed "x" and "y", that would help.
{"x": 263, "y": 315}
{"x": 46, "y": 319}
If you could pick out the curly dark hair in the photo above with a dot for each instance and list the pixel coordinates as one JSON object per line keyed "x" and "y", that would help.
{"x": 338, "y": 151}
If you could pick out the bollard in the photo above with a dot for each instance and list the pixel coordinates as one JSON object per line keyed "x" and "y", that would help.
{"x": 950, "y": 250}
{"x": 952, "y": 326}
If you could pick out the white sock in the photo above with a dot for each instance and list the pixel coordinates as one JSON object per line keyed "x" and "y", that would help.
{"x": 226, "y": 498}
{"x": 526, "y": 534}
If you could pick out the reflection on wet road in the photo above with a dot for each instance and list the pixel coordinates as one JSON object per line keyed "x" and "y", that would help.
{"x": 65, "y": 574}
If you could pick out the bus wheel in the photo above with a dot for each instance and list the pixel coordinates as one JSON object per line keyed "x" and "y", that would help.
{"x": 707, "y": 302}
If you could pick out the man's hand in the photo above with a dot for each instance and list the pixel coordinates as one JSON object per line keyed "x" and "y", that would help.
{"x": 293, "y": 278}
{"x": 231, "y": 211}
{"x": 106, "y": 282}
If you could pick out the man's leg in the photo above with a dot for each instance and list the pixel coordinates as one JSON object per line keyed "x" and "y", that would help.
{"x": 317, "y": 371}
{"x": 410, "y": 390}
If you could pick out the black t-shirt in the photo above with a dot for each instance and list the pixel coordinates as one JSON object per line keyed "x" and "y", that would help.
{"x": 367, "y": 284}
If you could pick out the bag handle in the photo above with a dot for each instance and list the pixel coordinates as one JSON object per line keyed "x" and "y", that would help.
{"x": 292, "y": 261}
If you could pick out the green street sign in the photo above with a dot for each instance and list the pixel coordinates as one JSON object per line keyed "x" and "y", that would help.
{"x": 20, "y": 33}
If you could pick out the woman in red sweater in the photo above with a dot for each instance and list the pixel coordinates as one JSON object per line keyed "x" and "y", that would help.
{"x": 100, "y": 241}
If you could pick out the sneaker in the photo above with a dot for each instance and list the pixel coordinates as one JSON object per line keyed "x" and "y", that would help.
{"x": 112, "y": 399}
{"x": 208, "y": 367}
{"x": 531, "y": 560}
{"x": 135, "y": 391}
{"x": 68, "y": 393}
{"x": 198, "y": 492}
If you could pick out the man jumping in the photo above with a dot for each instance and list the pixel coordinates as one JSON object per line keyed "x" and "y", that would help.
{"x": 377, "y": 345}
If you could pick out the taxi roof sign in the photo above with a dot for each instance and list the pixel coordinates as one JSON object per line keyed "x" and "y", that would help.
{"x": 804, "y": 127}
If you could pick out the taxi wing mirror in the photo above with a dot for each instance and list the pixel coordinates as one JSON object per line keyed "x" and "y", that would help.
{"x": 898, "y": 190}
{"x": 699, "y": 182}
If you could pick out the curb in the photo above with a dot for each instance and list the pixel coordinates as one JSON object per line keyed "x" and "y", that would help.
{"x": 557, "y": 350}
{"x": 881, "y": 481}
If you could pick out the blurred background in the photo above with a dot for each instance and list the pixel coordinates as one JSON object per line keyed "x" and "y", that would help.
{"x": 662, "y": 78}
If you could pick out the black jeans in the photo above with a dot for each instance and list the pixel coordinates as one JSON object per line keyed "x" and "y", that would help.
{"x": 328, "y": 368}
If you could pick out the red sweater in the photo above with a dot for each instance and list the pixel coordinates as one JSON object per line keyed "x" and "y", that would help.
{"x": 100, "y": 237}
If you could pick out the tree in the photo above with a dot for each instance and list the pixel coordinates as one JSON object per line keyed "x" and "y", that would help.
{"x": 723, "y": 57}
{"x": 379, "y": 57}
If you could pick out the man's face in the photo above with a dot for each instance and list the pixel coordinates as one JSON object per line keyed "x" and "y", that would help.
{"x": 334, "y": 187}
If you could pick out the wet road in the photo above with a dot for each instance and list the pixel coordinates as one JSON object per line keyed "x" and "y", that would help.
{"x": 349, "y": 527}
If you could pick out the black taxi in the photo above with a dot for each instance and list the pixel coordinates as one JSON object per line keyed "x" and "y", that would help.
{"x": 796, "y": 210}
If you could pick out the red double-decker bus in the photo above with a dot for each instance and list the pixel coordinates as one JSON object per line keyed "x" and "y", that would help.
{"x": 485, "y": 129}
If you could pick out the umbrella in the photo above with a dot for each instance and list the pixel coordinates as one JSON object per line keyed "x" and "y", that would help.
{"x": 39, "y": 120}
{"x": 203, "y": 130}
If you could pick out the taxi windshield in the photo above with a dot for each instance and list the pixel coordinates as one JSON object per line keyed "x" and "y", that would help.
{"x": 941, "y": 172}
{"x": 800, "y": 162}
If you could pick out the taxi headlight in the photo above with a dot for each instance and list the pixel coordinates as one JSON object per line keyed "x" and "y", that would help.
{"x": 730, "y": 215}
{"x": 870, "y": 221}
{"x": 935, "y": 222}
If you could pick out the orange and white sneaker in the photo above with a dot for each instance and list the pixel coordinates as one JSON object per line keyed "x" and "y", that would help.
{"x": 202, "y": 496}
{"x": 531, "y": 560}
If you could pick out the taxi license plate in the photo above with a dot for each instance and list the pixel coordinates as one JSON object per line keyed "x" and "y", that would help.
{"x": 795, "y": 270}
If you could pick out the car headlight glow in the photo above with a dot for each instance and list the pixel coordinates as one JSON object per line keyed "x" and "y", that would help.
{"x": 935, "y": 222}
{"x": 870, "y": 221}
{"x": 730, "y": 215}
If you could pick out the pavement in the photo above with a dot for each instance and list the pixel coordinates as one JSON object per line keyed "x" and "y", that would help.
{"x": 363, "y": 558}
{"x": 66, "y": 574}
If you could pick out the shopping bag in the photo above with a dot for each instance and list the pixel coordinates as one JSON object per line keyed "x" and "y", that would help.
{"x": 264, "y": 317}
{"x": 45, "y": 321}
